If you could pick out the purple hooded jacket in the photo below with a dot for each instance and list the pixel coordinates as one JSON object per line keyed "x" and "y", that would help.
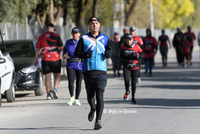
{"x": 69, "y": 49}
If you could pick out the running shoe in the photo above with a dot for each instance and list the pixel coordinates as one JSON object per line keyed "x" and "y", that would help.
{"x": 133, "y": 101}
{"x": 77, "y": 102}
{"x": 150, "y": 74}
{"x": 138, "y": 80}
{"x": 146, "y": 73}
{"x": 97, "y": 125}
{"x": 49, "y": 97}
{"x": 91, "y": 115}
{"x": 55, "y": 93}
{"x": 71, "y": 101}
{"x": 118, "y": 74}
{"x": 126, "y": 95}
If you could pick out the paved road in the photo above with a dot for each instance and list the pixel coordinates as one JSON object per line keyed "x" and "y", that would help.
{"x": 167, "y": 103}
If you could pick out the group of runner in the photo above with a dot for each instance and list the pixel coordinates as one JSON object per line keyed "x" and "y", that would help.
{"x": 183, "y": 43}
{"x": 131, "y": 48}
{"x": 128, "y": 52}
{"x": 87, "y": 55}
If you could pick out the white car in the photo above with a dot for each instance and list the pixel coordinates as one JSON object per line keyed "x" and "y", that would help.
{"x": 7, "y": 70}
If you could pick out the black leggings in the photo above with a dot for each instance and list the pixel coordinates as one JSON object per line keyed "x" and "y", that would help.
{"x": 95, "y": 84}
{"x": 133, "y": 74}
{"x": 139, "y": 62}
{"x": 71, "y": 73}
{"x": 179, "y": 55}
{"x": 190, "y": 54}
{"x": 100, "y": 103}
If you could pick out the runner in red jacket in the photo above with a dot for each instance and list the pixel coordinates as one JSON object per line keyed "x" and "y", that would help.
{"x": 162, "y": 40}
{"x": 130, "y": 53}
{"x": 190, "y": 37}
{"x": 51, "y": 47}
{"x": 150, "y": 49}
{"x": 137, "y": 40}
{"x": 185, "y": 49}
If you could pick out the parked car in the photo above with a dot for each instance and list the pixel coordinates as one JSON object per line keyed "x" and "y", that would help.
{"x": 27, "y": 75}
{"x": 6, "y": 74}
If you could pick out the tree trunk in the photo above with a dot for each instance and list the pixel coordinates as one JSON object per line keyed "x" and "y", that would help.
{"x": 41, "y": 20}
{"x": 95, "y": 3}
{"x": 65, "y": 11}
{"x": 80, "y": 16}
{"x": 128, "y": 13}
{"x": 50, "y": 13}
{"x": 60, "y": 11}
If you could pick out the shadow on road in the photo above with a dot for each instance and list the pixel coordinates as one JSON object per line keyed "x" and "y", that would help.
{"x": 174, "y": 87}
{"x": 43, "y": 128}
{"x": 162, "y": 103}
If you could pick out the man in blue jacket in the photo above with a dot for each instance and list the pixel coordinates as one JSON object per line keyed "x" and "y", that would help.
{"x": 94, "y": 47}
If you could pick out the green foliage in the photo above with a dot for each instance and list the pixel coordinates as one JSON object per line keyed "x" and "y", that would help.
{"x": 193, "y": 19}
{"x": 167, "y": 13}
{"x": 170, "y": 13}
{"x": 7, "y": 10}
{"x": 105, "y": 12}
{"x": 15, "y": 10}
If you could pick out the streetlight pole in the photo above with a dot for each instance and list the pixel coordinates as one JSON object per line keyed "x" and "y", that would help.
{"x": 151, "y": 17}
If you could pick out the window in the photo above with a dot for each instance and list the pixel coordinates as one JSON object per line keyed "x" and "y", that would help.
{"x": 20, "y": 49}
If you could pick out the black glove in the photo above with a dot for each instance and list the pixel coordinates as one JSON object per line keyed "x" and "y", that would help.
{"x": 88, "y": 54}
{"x": 107, "y": 54}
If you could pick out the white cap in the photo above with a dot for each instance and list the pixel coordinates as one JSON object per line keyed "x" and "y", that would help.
{"x": 179, "y": 28}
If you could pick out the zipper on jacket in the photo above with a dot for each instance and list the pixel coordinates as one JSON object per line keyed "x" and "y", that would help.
{"x": 96, "y": 54}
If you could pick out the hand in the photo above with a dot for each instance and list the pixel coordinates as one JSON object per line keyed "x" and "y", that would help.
{"x": 64, "y": 56}
{"x": 36, "y": 63}
{"x": 107, "y": 54}
{"x": 89, "y": 54}
{"x": 138, "y": 56}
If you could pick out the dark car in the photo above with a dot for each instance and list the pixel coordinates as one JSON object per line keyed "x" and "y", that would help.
{"x": 27, "y": 75}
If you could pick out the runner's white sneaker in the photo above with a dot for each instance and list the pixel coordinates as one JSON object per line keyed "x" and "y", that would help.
{"x": 49, "y": 97}
{"x": 71, "y": 101}
{"x": 138, "y": 80}
{"x": 55, "y": 93}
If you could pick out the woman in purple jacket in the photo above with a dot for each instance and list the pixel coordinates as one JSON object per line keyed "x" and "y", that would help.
{"x": 73, "y": 66}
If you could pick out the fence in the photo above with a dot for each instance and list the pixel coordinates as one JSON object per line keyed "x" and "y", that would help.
{"x": 33, "y": 31}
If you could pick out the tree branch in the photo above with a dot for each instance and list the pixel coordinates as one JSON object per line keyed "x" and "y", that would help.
{"x": 51, "y": 16}
{"x": 128, "y": 14}
{"x": 61, "y": 8}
